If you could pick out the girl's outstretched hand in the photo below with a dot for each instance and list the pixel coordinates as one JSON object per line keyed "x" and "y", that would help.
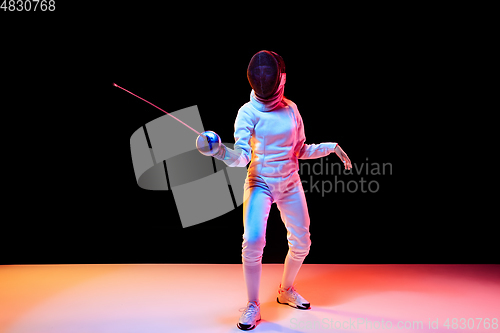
{"x": 343, "y": 157}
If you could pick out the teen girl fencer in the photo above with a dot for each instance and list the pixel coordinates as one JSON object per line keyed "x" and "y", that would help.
{"x": 269, "y": 133}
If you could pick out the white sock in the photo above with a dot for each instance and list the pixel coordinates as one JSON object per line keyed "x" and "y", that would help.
{"x": 290, "y": 271}
{"x": 252, "y": 275}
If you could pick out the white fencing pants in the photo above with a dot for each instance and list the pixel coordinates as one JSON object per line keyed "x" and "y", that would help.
{"x": 260, "y": 193}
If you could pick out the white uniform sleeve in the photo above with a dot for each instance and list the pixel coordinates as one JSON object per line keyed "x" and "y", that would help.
{"x": 243, "y": 130}
{"x": 309, "y": 151}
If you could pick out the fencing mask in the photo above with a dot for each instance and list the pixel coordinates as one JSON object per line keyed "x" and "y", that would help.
{"x": 264, "y": 73}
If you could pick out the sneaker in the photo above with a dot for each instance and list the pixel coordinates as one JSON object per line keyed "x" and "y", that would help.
{"x": 291, "y": 297}
{"x": 249, "y": 317}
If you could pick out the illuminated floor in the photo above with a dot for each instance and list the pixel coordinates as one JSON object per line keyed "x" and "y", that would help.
{"x": 207, "y": 298}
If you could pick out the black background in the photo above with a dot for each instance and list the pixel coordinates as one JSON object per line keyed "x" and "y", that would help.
{"x": 379, "y": 85}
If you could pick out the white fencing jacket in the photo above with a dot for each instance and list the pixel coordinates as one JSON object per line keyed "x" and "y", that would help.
{"x": 272, "y": 139}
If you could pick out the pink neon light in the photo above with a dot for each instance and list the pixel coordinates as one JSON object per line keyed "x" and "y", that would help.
{"x": 158, "y": 108}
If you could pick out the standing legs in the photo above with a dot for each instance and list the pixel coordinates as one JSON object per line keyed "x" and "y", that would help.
{"x": 295, "y": 216}
{"x": 256, "y": 205}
